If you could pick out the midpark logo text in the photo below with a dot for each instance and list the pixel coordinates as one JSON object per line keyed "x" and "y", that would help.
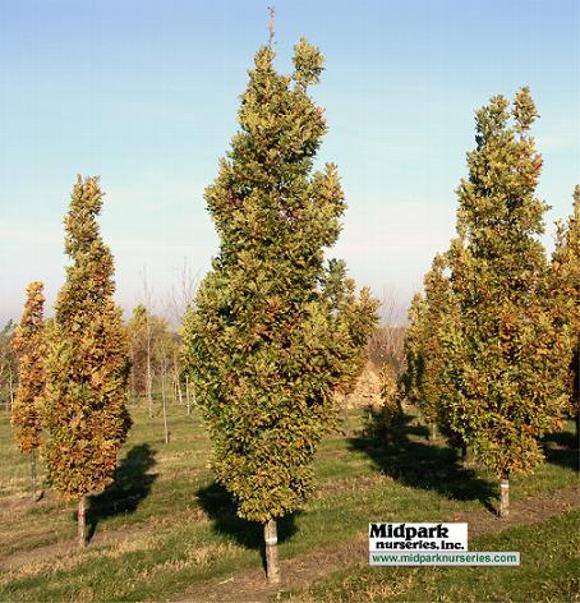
{"x": 446, "y": 558}
{"x": 417, "y": 536}
{"x": 428, "y": 544}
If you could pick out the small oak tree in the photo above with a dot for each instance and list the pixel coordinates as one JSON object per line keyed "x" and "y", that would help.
{"x": 274, "y": 331}
{"x": 414, "y": 348}
{"x": 29, "y": 345}
{"x": 423, "y": 379}
{"x": 152, "y": 349}
{"x": 423, "y": 346}
{"x": 566, "y": 270}
{"x": 137, "y": 337}
{"x": 391, "y": 414}
{"x": 85, "y": 416}
{"x": 8, "y": 365}
{"x": 505, "y": 360}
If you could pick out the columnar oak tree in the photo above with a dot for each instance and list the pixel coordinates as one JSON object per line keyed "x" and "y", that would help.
{"x": 424, "y": 348}
{"x": 424, "y": 384}
{"x": 505, "y": 360}
{"x": 274, "y": 331}
{"x": 29, "y": 345}
{"x": 8, "y": 365}
{"x": 566, "y": 268}
{"x": 85, "y": 417}
{"x": 392, "y": 411}
{"x": 153, "y": 348}
{"x": 415, "y": 351}
{"x": 138, "y": 346}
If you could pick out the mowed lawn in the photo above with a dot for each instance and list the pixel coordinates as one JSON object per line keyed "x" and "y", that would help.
{"x": 165, "y": 528}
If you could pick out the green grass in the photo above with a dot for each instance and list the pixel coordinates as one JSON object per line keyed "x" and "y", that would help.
{"x": 154, "y": 480}
{"x": 171, "y": 527}
{"x": 549, "y": 571}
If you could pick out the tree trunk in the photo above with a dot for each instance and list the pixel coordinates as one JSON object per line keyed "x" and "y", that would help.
{"x": 179, "y": 394}
{"x": 33, "y": 473}
{"x": 164, "y": 404}
{"x": 433, "y": 434}
{"x": 187, "y": 394}
{"x": 149, "y": 376}
{"x": 345, "y": 415}
{"x": 177, "y": 388}
{"x": 578, "y": 439}
{"x": 578, "y": 408}
{"x": 504, "y": 502}
{"x": 132, "y": 387}
{"x": 464, "y": 456}
{"x": 82, "y": 521}
{"x": 10, "y": 388}
{"x": 271, "y": 542}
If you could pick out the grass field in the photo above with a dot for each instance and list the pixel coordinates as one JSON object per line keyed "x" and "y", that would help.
{"x": 166, "y": 531}
{"x": 550, "y": 571}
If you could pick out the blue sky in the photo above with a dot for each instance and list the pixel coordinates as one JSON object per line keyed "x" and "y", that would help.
{"x": 145, "y": 94}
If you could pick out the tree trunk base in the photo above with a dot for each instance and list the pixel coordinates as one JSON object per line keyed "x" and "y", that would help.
{"x": 504, "y": 503}
{"x": 433, "y": 432}
{"x": 464, "y": 457}
{"x": 33, "y": 475}
{"x": 82, "y": 522}
{"x": 578, "y": 441}
{"x": 271, "y": 541}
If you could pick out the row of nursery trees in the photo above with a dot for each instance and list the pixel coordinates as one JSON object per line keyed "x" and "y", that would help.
{"x": 276, "y": 331}
{"x": 154, "y": 352}
{"x": 73, "y": 369}
{"x": 155, "y": 371}
{"x": 77, "y": 369}
{"x": 492, "y": 344}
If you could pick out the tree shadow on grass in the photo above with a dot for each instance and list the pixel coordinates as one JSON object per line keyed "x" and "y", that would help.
{"x": 132, "y": 485}
{"x": 412, "y": 461}
{"x": 219, "y": 505}
{"x": 561, "y": 448}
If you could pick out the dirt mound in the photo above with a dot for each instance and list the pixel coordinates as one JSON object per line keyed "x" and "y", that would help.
{"x": 367, "y": 390}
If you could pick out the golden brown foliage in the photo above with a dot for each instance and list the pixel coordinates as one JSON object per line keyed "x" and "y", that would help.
{"x": 276, "y": 330}
{"x": 506, "y": 356}
{"x": 566, "y": 270}
{"x": 85, "y": 416}
{"x": 29, "y": 345}
{"x": 392, "y": 411}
